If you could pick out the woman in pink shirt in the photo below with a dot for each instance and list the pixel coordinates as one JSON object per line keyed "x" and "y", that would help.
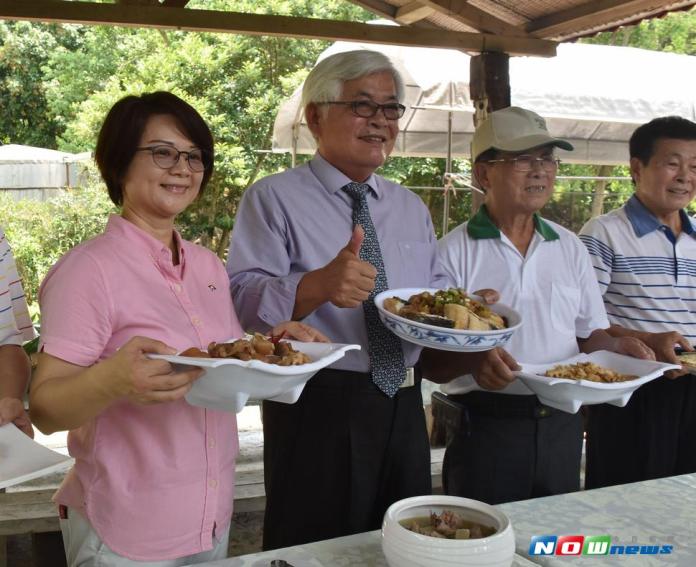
{"x": 153, "y": 481}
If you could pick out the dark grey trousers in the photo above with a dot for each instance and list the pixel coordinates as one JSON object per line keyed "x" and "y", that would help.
{"x": 511, "y": 448}
{"x": 335, "y": 460}
{"x": 653, "y": 436}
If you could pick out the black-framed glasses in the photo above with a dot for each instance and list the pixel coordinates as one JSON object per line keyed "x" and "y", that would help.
{"x": 167, "y": 157}
{"x": 367, "y": 108}
{"x": 527, "y": 163}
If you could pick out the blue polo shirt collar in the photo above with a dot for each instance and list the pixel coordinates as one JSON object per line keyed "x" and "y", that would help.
{"x": 644, "y": 222}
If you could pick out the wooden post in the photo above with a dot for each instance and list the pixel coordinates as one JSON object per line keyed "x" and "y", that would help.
{"x": 489, "y": 87}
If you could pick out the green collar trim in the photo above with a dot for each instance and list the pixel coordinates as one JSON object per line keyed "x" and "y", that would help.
{"x": 481, "y": 226}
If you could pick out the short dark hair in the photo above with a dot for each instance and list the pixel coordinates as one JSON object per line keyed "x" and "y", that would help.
{"x": 642, "y": 142}
{"x": 489, "y": 154}
{"x": 124, "y": 126}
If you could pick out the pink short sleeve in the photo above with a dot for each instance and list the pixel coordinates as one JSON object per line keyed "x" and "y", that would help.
{"x": 76, "y": 309}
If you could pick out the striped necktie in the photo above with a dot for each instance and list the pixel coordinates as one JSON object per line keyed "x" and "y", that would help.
{"x": 384, "y": 348}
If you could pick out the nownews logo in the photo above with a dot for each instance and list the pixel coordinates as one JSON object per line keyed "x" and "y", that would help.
{"x": 590, "y": 545}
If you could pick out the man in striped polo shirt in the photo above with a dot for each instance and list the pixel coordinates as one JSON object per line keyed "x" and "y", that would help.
{"x": 15, "y": 328}
{"x": 644, "y": 255}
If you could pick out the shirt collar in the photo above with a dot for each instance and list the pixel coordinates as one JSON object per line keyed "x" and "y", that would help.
{"x": 134, "y": 235}
{"x": 333, "y": 180}
{"x": 644, "y": 222}
{"x": 481, "y": 226}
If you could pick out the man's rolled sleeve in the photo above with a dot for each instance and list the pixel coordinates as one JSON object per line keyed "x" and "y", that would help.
{"x": 262, "y": 301}
{"x": 258, "y": 263}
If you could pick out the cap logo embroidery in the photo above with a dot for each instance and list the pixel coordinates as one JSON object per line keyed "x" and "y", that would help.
{"x": 540, "y": 122}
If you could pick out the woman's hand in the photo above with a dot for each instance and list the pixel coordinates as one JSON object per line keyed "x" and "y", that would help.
{"x": 12, "y": 411}
{"x": 146, "y": 381}
{"x": 300, "y": 331}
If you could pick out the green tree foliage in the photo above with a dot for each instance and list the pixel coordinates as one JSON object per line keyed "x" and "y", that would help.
{"x": 236, "y": 82}
{"x": 41, "y": 232}
{"x": 25, "y": 116}
{"x": 676, "y": 32}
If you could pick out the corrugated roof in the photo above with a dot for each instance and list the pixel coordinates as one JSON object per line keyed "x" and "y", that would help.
{"x": 558, "y": 20}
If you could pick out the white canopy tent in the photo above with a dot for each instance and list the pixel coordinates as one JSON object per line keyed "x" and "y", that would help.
{"x": 37, "y": 172}
{"x": 592, "y": 95}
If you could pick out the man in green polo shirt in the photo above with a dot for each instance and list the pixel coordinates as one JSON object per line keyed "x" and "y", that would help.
{"x": 509, "y": 446}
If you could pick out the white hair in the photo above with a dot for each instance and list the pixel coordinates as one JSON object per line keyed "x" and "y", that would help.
{"x": 325, "y": 82}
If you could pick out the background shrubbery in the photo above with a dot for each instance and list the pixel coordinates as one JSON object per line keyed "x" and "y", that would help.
{"x": 41, "y": 232}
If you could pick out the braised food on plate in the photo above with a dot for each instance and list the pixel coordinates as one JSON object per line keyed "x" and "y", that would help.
{"x": 258, "y": 347}
{"x": 587, "y": 371}
{"x": 451, "y": 308}
{"x": 688, "y": 358}
{"x": 449, "y": 525}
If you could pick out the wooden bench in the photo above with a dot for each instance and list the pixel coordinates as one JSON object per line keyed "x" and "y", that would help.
{"x": 30, "y": 512}
{"x": 33, "y": 512}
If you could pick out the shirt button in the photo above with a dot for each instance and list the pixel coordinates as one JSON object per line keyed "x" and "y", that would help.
{"x": 196, "y": 321}
{"x": 211, "y": 443}
{"x": 177, "y": 288}
{"x": 212, "y": 483}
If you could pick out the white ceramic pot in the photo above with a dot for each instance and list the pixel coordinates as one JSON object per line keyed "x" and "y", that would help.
{"x": 404, "y": 548}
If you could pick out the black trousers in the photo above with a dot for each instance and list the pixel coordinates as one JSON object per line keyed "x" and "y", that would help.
{"x": 510, "y": 448}
{"x": 653, "y": 436}
{"x": 339, "y": 457}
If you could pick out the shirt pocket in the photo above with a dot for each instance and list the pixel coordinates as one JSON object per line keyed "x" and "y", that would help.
{"x": 565, "y": 307}
{"x": 414, "y": 269}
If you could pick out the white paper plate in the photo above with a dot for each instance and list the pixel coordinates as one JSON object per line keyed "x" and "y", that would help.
{"x": 441, "y": 338}
{"x": 569, "y": 395}
{"x": 22, "y": 458}
{"x": 228, "y": 383}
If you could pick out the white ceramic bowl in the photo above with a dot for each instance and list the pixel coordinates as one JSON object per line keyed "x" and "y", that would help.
{"x": 228, "y": 383}
{"x": 441, "y": 338}
{"x": 568, "y": 395}
{"x": 404, "y": 548}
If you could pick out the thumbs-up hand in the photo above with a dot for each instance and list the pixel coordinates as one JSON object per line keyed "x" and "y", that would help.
{"x": 356, "y": 240}
{"x": 348, "y": 279}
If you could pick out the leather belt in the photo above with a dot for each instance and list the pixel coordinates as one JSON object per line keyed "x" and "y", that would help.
{"x": 503, "y": 405}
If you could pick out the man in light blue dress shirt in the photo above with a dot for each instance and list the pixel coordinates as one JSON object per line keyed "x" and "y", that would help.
{"x": 336, "y": 459}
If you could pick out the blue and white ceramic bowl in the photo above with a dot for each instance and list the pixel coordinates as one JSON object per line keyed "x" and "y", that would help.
{"x": 441, "y": 338}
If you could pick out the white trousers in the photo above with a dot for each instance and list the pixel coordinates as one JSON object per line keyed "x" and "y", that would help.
{"x": 84, "y": 548}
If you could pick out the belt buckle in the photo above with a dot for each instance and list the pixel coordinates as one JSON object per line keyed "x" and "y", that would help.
{"x": 410, "y": 379}
{"x": 542, "y": 411}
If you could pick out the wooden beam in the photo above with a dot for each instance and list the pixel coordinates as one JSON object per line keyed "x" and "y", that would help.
{"x": 471, "y": 16}
{"x": 174, "y": 3}
{"x": 592, "y": 14}
{"x": 413, "y": 12}
{"x": 380, "y": 8}
{"x": 258, "y": 24}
